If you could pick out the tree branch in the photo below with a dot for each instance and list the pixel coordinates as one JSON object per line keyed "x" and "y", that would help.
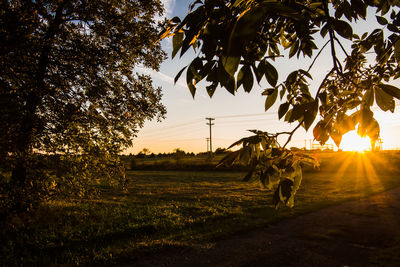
{"x": 332, "y": 38}
{"x": 292, "y": 132}
{"x": 341, "y": 46}
{"x": 319, "y": 53}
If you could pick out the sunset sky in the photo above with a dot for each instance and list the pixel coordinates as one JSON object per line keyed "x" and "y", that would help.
{"x": 185, "y": 125}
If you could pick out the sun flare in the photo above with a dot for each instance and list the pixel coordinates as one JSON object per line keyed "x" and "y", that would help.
{"x": 351, "y": 141}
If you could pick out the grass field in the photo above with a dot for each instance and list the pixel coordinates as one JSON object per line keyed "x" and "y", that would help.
{"x": 171, "y": 209}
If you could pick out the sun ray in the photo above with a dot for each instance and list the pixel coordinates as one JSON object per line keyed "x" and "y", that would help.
{"x": 370, "y": 172}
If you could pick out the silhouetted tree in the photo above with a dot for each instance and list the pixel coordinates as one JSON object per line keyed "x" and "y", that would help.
{"x": 67, "y": 88}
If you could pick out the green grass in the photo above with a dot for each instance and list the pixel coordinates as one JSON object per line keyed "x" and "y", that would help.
{"x": 178, "y": 209}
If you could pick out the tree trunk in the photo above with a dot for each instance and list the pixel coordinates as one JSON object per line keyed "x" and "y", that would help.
{"x": 23, "y": 192}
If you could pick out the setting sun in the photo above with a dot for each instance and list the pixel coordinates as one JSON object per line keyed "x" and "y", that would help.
{"x": 351, "y": 141}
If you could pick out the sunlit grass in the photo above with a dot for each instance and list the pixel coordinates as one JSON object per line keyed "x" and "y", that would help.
{"x": 171, "y": 208}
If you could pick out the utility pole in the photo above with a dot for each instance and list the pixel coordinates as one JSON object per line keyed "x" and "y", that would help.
{"x": 208, "y": 140}
{"x": 210, "y": 124}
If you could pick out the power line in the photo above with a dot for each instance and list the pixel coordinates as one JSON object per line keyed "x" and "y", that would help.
{"x": 179, "y": 124}
{"x": 246, "y": 115}
{"x": 248, "y": 121}
{"x": 172, "y": 129}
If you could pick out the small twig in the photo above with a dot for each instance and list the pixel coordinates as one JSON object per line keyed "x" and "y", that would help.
{"x": 341, "y": 46}
{"x": 332, "y": 38}
{"x": 301, "y": 122}
{"x": 323, "y": 81}
{"x": 389, "y": 48}
{"x": 292, "y": 132}
{"x": 319, "y": 53}
{"x": 277, "y": 134}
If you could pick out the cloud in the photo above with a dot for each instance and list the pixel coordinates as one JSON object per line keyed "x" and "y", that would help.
{"x": 159, "y": 75}
{"x": 164, "y": 77}
{"x": 169, "y": 6}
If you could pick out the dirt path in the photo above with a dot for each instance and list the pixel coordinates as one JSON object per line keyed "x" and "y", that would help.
{"x": 363, "y": 232}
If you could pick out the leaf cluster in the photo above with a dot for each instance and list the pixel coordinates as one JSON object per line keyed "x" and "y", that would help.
{"x": 276, "y": 168}
{"x": 238, "y": 42}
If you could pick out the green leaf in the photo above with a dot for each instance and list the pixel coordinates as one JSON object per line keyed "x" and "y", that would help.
{"x": 179, "y": 75}
{"x": 192, "y": 89}
{"x": 271, "y": 99}
{"x": 294, "y": 48}
{"x": 343, "y": 28}
{"x": 280, "y": 9}
{"x": 390, "y": 89}
{"x": 381, "y": 20}
{"x": 324, "y": 30}
{"x": 321, "y": 133}
{"x": 240, "y": 77}
{"x": 260, "y": 70}
{"x": 297, "y": 113}
{"x": 189, "y": 81}
{"x": 249, "y": 174}
{"x": 207, "y": 69}
{"x": 336, "y": 137}
{"x": 288, "y": 116}
{"x": 282, "y": 92}
{"x": 211, "y": 89}
{"x": 245, "y": 155}
{"x": 345, "y": 124}
{"x": 365, "y": 117}
{"x": 177, "y": 41}
{"x": 310, "y": 114}
{"x": 283, "y": 108}
{"x": 393, "y": 28}
{"x": 226, "y": 80}
{"x": 271, "y": 74}
{"x": 229, "y": 158}
{"x": 384, "y": 100}
{"x": 323, "y": 97}
{"x": 248, "y": 24}
{"x": 283, "y": 192}
{"x": 268, "y": 91}
{"x": 397, "y": 51}
{"x": 368, "y": 97}
{"x": 305, "y": 73}
{"x": 247, "y": 79}
{"x": 230, "y": 63}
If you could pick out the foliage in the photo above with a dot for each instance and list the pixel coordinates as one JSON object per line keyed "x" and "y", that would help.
{"x": 178, "y": 154}
{"x": 68, "y": 89}
{"x": 276, "y": 168}
{"x": 220, "y": 151}
{"x": 238, "y": 43}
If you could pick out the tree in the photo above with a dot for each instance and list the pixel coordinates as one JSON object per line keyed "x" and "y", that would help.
{"x": 178, "y": 154}
{"x": 145, "y": 151}
{"x": 68, "y": 89}
{"x": 239, "y": 43}
{"x": 220, "y": 151}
